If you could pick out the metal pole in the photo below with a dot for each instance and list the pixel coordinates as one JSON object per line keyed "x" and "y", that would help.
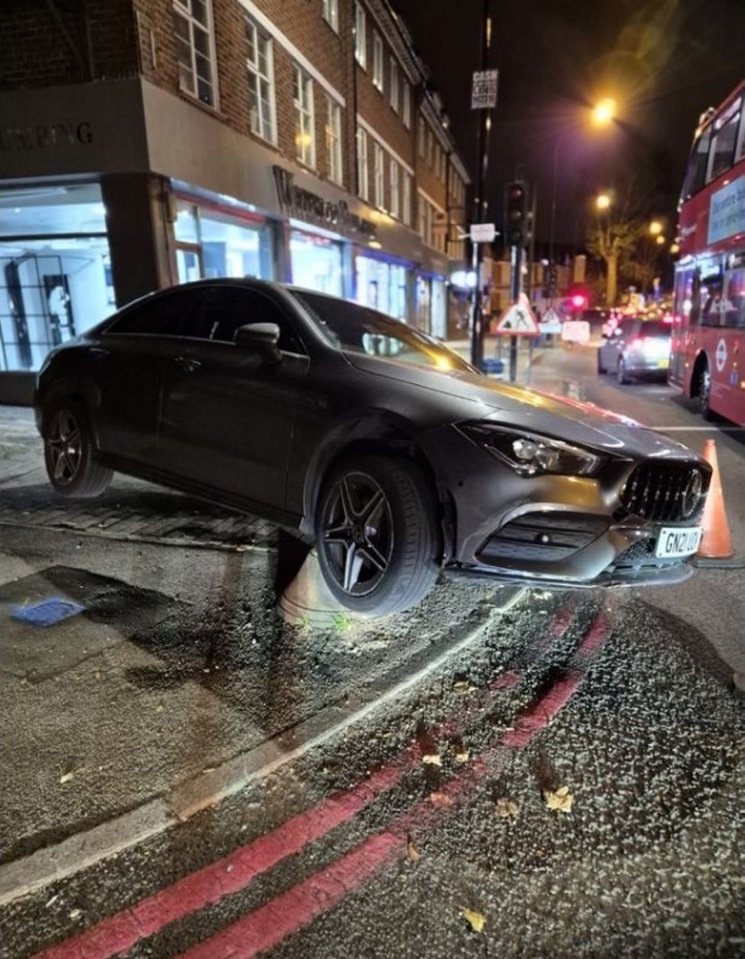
{"x": 515, "y": 265}
{"x": 479, "y": 204}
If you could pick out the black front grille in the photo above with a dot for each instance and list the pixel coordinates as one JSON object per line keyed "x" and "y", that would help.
{"x": 642, "y": 554}
{"x": 543, "y": 536}
{"x": 665, "y": 492}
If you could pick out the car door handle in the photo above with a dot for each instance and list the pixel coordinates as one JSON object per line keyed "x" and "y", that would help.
{"x": 187, "y": 363}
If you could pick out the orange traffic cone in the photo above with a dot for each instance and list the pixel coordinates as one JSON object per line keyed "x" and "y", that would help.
{"x": 716, "y": 542}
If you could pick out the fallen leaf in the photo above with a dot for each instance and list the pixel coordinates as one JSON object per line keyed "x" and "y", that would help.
{"x": 475, "y": 919}
{"x": 507, "y": 808}
{"x": 561, "y": 799}
{"x": 412, "y": 853}
{"x": 432, "y": 759}
{"x": 462, "y": 757}
{"x": 441, "y": 799}
{"x": 463, "y": 687}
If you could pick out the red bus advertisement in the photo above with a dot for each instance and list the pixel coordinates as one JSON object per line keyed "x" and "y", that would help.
{"x": 707, "y": 359}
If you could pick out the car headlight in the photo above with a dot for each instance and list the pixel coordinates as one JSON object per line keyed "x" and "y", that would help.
{"x": 531, "y": 454}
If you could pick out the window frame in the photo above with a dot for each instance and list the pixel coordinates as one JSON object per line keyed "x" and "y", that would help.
{"x": 333, "y": 141}
{"x": 377, "y": 66}
{"x": 395, "y": 188}
{"x": 330, "y": 13}
{"x": 363, "y": 168}
{"x": 183, "y": 9}
{"x": 304, "y": 116}
{"x": 406, "y": 198}
{"x": 255, "y": 75}
{"x": 406, "y": 103}
{"x": 393, "y": 92}
{"x": 379, "y": 175}
{"x": 360, "y": 35}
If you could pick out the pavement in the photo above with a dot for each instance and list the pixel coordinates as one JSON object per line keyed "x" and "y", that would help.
{"x": 151, "y": 634}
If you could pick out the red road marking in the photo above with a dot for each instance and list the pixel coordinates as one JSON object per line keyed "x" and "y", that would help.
{"x": 271, "y": 923}
{"x": 235, "y": 871}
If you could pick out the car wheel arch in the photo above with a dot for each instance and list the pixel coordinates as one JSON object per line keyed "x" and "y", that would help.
{"x": 699, "y": 365}
{"x": 373, "y": 434}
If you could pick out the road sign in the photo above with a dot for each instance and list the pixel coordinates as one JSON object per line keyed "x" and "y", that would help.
{"x": 518, "y": 320}
{"x": 483, "y": 232}
{"x": 484, "y": 89}
{"x": 551, "y": 322}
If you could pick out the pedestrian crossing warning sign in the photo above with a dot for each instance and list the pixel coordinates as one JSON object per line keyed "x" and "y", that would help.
{"x": 518, "y": 319}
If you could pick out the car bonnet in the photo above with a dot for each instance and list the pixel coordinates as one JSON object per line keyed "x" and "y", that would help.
{"x": 472, "y": 396}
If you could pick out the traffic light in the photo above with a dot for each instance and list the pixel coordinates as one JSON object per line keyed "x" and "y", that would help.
{"x": 516, "y": 213}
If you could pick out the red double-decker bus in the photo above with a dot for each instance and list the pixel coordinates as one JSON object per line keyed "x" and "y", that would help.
{"x": 707, "y": 359}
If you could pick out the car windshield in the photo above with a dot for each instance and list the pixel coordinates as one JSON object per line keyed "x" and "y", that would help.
{"x": 358, "y": 329}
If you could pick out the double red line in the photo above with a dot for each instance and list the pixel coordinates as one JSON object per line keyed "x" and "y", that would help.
{"x": 269, "y": 924}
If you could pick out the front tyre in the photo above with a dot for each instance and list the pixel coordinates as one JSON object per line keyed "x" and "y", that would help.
{"x": 621, "y": 375}
{"x": 377, "y": 534}
{"x": 69, "y": 453}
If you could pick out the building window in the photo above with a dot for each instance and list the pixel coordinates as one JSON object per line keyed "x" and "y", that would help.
{"x": 377, "y": 76}
{"x": 406, "y": 104}
{"x": 406, "y": 199}
{"x": 394, "y": 204}
{"x": 195, "y": 50}
{"x": 379, "y": 175}
{"x": 363, "y": 187}
{"x": 393, "y": 93}
{"x": 302, "y": 96}
{"x": 360, "y": 35}
{"x": 420, "y": 136}
{"x": 331, "y": 13}
{"x": 260, "y": 82}
{"x": 333, "y": 139}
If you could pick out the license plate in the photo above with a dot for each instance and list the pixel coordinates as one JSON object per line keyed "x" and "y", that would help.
{"x": 675, "y": 541}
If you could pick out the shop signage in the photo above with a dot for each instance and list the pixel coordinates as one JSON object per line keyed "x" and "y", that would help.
{"x": 304, "y": 205}
{"x": 484, "y": 89}
{"x": 46, "y": 135}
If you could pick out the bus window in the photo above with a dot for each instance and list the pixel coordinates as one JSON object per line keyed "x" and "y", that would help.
{"x": 733, "y": 301}
{"x": 697, "y": 164}
{"x": 711, "y": 298}
{"x": 723, "y": 143}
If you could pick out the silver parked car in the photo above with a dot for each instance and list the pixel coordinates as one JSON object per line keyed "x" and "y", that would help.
{"x": 636, "y": 348}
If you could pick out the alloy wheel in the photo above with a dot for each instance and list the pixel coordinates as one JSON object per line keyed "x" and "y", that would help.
{"x": 357, "y": 533}
{"x": 65, "y": 445}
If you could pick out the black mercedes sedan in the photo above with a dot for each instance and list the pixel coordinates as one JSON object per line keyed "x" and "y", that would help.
{"x": 371, "y": 440}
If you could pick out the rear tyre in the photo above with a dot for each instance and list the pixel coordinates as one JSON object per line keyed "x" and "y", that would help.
{"x": 377, "y": 535}
{"x": 704, "y": 393}
{"x": 601, "y": 368}
{"x": 69, "y": 453}
{"x": 621, "y": 375}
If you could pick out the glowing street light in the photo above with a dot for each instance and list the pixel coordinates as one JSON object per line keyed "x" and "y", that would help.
{"x": 655, "y": 228}
{"x": 603, "y": 201}
{"x": 604, "y": 112}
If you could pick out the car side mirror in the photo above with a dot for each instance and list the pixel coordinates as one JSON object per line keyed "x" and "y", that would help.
{"x": 261, "y": 338}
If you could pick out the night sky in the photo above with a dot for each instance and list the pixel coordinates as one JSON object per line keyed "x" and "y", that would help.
{"x": 664, "y": 61}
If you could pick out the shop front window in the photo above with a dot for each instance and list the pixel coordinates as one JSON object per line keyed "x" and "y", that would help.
{"x": 316, "y": 262}
{"x": 382, "y": 286}
{"x": 212, "y": 243}
{"x": 55, "y": 271}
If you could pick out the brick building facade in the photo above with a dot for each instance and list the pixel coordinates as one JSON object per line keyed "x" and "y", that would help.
{"x": 149, "y": 142}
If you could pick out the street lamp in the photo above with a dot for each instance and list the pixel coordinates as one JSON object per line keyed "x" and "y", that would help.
{"x": 603, "y": 201}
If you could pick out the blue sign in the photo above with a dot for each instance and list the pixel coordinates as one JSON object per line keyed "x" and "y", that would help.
{"x": 727, "y": 211}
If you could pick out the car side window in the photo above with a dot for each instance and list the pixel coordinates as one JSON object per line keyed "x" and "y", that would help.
{"x": 229, "y": 308}
{"x": 166, "y": 314}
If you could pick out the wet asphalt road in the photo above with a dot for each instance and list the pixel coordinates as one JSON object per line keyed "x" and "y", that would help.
{"x": 574, "y": 776}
